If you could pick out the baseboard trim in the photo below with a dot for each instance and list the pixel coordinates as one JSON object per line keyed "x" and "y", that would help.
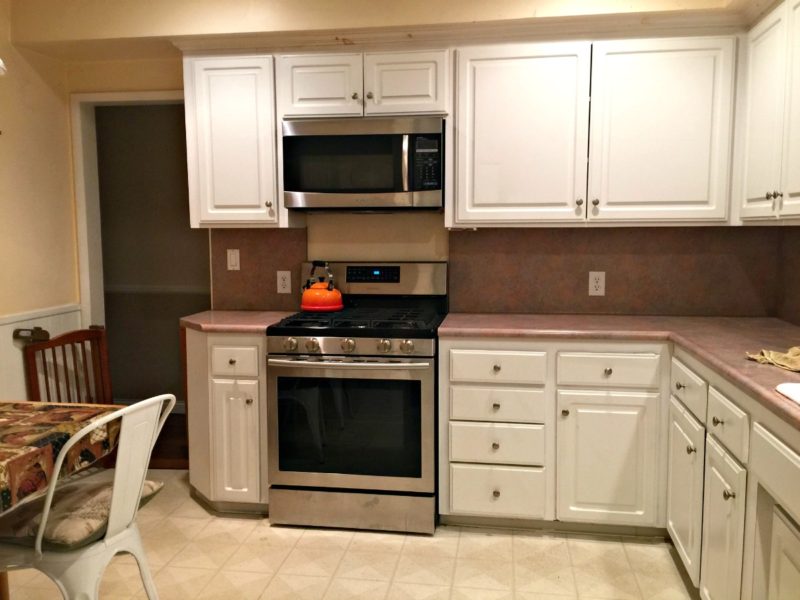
{"x": 590, "y": 529}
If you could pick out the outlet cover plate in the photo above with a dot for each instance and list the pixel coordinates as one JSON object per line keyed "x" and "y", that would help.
{"x": 284, "y": 282}
{"x": 233, "y": 259}
{"x": 597, "y": 283}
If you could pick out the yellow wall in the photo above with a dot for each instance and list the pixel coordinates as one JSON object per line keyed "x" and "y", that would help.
{"x": 38, "y": 266}
{"x": 125, "y": 76}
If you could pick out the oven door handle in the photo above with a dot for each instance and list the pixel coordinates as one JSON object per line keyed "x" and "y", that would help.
{"x": 312, "y": 364}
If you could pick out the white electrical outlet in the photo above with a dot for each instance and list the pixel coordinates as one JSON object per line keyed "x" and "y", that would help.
{"x": 284, "y": 282}
{"x": 597, "y": 283}
{"x": 233, "y": 259}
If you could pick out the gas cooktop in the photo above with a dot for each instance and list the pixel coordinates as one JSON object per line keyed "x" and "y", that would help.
{"x": 357, "y": 321}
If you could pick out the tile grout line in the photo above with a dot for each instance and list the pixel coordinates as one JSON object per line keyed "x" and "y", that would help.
{"x": 630, "y": 565}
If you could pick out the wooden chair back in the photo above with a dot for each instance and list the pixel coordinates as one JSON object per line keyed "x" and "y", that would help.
{"x": 72, "y": 367}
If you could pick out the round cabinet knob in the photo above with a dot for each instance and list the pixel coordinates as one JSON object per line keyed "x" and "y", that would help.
{"x": 690, "y": 449}
{"x": 407, "y": 346}
{"x": 679, "y": 386}
{"x": 565, "y": 413}
{"x": 268, "y": 203}
{"x": 495, "y": 446}
{"x": 579, "y": 202}
{"x": 231, "y": 361}
{"x": 608, "y": 371}
{"x": 717, "y": 421}
{"x": 496, "y": 406}
{"x": 496, "y": 493}
{"x": 348, "y": 345}
{"x": 312, "y": 345}
{"x": 354, "y": 96}
{"x": 384, "y": 345}
{"x": 249, "y": 401}
{"x": 769, "y": 196}
{"x": 727, "y": 494}
{"x": 777, "y": 195}
{"x": 596, "y": 202}
{"x": 290, "y": 344}
{"x": 496, "y": 368}
{"x": 370, "y": 95}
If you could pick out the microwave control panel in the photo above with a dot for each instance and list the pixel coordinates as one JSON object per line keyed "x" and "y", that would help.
{"x": 427, "y": 162}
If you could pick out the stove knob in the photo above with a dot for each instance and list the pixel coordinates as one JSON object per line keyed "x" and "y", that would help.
{"x": 348, "y": 345}
{"x": 407, "y": 346}
{"x": 312, "y": 345}
{"x": 290, "y": 344}
{"x": 384, "y": 345}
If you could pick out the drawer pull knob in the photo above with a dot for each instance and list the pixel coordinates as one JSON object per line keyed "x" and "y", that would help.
{"x": 717, "y": 421}
{"x": 496, "y": 368}
{"x": 690, "y": 449}
{"x": 495, "y": 446}
{"x": 565, "y": 413}
{"x": 608, "y": 371}
{"x": 231, "y": 361}
{"x": 496, "y": 493}
{"x": 679, "y": 386}
{"x": 496, "y": 406}
{"x": 727, "y": 494}
{"x": 249, "y": 401}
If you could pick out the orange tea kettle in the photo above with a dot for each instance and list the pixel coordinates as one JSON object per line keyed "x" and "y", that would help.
{"x": 320, "y": 295}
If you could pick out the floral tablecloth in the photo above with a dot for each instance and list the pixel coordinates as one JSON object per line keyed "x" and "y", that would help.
{"x": 33, "y": 433}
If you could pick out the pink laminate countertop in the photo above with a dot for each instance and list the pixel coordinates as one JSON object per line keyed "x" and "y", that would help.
{"x": 718, "y": 342}
{"x": 233, "y": 321}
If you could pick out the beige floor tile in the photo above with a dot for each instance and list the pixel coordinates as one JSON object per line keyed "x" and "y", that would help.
{"x": 235, "y": 585}
{"x": 481, "y": 594}
{"x": 655, "y": 571}
{"x": 602, "y": 570}
{"x": 191, "y": 509}
{"x": 320, "y": 562}
{"x": 26, "y": 593}
{"x": 542, "y": 565}
{"x": 536, "y": 596}
{"x": 203, "y": 554}
{"x": 227, "y": 530}
{"x": 257, "y": 557}
{"x": 373, "y": 541}
{"x": 356, "y": 589}
{"x": 418, "y": 591}
{"x": 442, "y": 543}
{"x": 325, "y": 538}
{"x": 424, "y": 568}
{"x": 535, "y": 547}
{"x": 121, "y": 579}
{"x": 20, "y": 577}
{"x": 274, "y": 535}
{"x": 37, "y": 579}
{"x": 178, "y": 583}
{"x": 378, "y": 566}
{"x": 484, "y": 574}
{"x": 296, "y": 587}
{"x": 485, "y": 544}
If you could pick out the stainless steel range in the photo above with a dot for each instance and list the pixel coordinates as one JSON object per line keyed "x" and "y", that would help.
{"x": 352, "y": 402}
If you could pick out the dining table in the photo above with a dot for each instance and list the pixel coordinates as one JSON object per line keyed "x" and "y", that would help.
{"x": 31, "y": 436}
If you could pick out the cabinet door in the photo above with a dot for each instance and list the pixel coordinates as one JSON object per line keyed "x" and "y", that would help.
{"x": 685, "y": 486}
{"x": 661, "y": 129}
{"x": 764, "y": 114}
{"x": 315, "y": 85}
{"x": 723, "y": 524}
{"x": 607, "y": 456}
{"x": 522, "y": 132}
{"x": 235, "y": 440}
{"x": 790, "y": 202}
{"x": 407, "y": 82}
{"x": 230, "y": 140}
{"x": 784, "y": 559}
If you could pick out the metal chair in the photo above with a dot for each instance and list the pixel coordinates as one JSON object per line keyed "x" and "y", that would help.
{"x": 72, "y": 367}
{"x": 78, "y": 571}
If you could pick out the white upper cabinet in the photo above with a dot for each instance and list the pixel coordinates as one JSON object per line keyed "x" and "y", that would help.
{"x": 405, "y": 82}
{"x": 764, "y": 114}
{"x": 522, "y": 129}
{"x": 352, "y": 85}
{"x": 230, "y": 140}
{"x": 661, "y": 129}
{"x": 317, "y": 85}
{"x": 790, "y": 199}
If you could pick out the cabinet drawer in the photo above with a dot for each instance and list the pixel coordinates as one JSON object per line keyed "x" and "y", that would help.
{"x": 728, "y": 423}
{"x": 235, "y": 361}
{"x": 490, "y": 366}
{"x": 497, "y": 443}
{"x": 689, "y": 388}
{"x": 634, "y": 369}
{"x": 498, "y": 491}
{"x": 506, "y": 405}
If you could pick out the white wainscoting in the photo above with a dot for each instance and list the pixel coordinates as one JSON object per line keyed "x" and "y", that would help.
{"x": 56, "y": 320}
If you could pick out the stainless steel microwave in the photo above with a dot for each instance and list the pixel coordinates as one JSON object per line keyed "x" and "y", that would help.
{"x": 363, "y": 163}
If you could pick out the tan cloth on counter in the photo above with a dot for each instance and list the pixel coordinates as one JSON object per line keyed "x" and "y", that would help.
{"x": 789, "y": 360}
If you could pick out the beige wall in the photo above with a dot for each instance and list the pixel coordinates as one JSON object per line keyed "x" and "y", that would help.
{"x": 125, "y": 76}
{"x": 38, "y": 267}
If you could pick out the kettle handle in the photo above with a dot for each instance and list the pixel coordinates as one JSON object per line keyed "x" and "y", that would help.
{"x": 323, "y": 264}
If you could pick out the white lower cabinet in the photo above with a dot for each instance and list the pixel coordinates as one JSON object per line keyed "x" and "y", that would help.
{"x": 686, "y": 451}
{"x": 784, "y": 561}
{"x": 723, "y": 524}
{"x": 608, "y": 456}
{"x": 498, "y": 491}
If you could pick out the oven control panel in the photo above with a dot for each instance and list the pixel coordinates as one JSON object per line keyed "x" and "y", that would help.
{"x": 373, "y": 274}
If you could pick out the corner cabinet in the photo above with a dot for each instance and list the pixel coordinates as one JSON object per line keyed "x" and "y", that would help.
{"x": 772, "y": 116}
{"x": 230, "y": 141}
{"x": 352, "y": 85}
{"x": 227, "y": 419}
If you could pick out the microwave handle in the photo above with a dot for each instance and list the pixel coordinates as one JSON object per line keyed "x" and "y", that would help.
{"x": 404, "y": 166}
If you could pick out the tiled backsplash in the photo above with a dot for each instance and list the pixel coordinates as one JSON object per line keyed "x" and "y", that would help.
{"x": 734, "y": 271}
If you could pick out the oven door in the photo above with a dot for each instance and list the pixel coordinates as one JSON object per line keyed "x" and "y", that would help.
{"x": 351, "y": 423}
